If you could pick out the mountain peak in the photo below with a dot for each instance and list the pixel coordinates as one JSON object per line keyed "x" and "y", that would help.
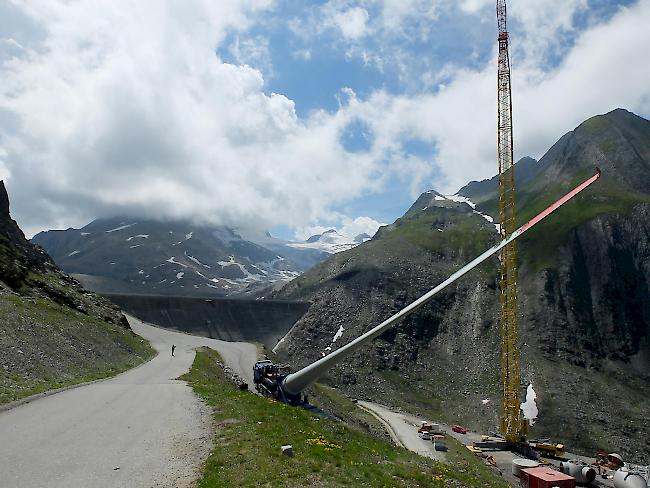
{"x": 619, "y": 118}
{"x": 326, "y": 236}
{"x": 4, "y": 200}
{"x": 617, "y": 142}
{"x": 479, "y": 191}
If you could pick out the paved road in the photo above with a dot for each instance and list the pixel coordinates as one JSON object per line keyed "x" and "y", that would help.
{"x": 139, "y": 429}
{"x": 403, "y": 429}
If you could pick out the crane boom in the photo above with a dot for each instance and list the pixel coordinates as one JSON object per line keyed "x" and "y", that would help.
{"x": 295, "y": 383}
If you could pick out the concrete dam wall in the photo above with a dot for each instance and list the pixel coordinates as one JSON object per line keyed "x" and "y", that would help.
{"x": 263, "y": 321}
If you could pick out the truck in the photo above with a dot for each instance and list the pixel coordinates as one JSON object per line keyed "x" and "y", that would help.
{"x": 547, "y": 448}
{"x": 425, "y": 430}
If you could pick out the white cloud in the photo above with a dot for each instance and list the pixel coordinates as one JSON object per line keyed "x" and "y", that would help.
{"x": 473, "y": 6}
{"x": 304, "y": 54}
{"x": 460, "y": 119}
{"x": 146, "y": 119}
{"x": 399, "y": 15}
{"x": 360, "y": 225}
{"x": 545, "y": 26}
{"x": 253, "y": 52}
{"x": 352, "y": 22}
{"x": 344, "y": 225}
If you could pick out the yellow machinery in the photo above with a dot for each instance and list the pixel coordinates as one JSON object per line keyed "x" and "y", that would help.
{"x": 512, "y": 424}
{"x": 548, "y": 448}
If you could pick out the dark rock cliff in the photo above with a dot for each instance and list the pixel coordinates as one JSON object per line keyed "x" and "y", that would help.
{"x": 17, "y": 254}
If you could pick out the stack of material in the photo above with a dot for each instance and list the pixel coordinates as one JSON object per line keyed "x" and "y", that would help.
{"x": 580, "y": 471}
{"x": 545, "y": 477}
{"x": 518, "y": 464}
{"x": 630, "y": 476}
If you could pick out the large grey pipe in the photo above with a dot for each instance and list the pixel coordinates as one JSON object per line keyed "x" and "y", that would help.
{"x": 296, "y": 382}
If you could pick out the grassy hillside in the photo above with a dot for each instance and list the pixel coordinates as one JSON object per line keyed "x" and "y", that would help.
{"x": 539, "y": 248}
{"x": 49, "y": 345}
{"x": 53, "y": 333}
{"x": 251, "y": 429}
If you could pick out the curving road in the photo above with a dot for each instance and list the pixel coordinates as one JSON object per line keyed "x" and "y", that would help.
{"x": 142, "y": 428}
{"x": 403, "y": 430}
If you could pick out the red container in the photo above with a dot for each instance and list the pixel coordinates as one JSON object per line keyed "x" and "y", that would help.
{"x": 544, "y": 477}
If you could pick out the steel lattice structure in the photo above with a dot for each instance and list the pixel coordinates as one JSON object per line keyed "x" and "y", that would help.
{"x": 512, "y": 425}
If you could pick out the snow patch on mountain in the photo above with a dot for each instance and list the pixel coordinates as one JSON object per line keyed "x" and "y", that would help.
{"x": 172, "y": 260}
{"x": 139, "y": 236}
{"x": 121, "y": 227}
{"x": 329, "y": 241}
{"x": 248, "y": 276}
{"x": 196, "y": 261}
{"x": 337, "y": 336}
{"x": 461, "y": 199}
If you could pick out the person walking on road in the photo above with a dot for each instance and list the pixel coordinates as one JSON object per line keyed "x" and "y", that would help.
{"x": 173, "y": 347}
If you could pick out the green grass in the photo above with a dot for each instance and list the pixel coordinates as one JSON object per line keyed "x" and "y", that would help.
{"x": 60, "y": 347}
{"x": 462, "y": 236}
{"x": 251, "y": 429}
{"x": 333, "y": 401}
{"x": 540, "y": 246}
{"x": 594, "y": 125}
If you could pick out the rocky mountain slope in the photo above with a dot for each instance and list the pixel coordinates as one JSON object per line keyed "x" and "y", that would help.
{"x": 121, "y": 255}
{"x": 52, "y": 331}
{"x": 583, "y": 287}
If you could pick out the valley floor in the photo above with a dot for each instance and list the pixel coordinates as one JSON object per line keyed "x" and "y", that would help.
{"x": 142, "y": 428}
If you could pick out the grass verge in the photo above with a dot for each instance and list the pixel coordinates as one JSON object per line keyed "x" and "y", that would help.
{"x": 48, "y": 346}
{"x": 251, "y": 429}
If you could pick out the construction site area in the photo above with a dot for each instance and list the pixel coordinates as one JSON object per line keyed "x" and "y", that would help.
{"x": 547, "y": 465}
{"x": 522, "y": 461}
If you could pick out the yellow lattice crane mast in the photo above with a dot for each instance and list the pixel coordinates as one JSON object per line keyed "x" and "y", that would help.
{"x": 512, "y": 425}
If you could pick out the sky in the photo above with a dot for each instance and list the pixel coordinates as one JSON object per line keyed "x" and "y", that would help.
{"x": 292, "y": 116}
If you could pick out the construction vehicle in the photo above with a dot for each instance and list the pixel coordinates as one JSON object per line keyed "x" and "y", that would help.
{"x": 424, "y": 435}
{"x": 267, "y": 378}
{"x": 440, "y": 445}
{"x": 425, "y": 430}
{"x": 512, "y": 424}
{"x": 287, "y": 388}
{"x": 547, "y": 448}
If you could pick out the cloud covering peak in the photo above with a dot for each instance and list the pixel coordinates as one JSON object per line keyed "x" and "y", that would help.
{"x": 133, "y": 108}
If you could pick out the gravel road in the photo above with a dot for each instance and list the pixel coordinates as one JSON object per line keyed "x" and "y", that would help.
{"x": 142, "y": 428}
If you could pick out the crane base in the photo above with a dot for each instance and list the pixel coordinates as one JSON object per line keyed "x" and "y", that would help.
{"x": 522, "y": 448}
